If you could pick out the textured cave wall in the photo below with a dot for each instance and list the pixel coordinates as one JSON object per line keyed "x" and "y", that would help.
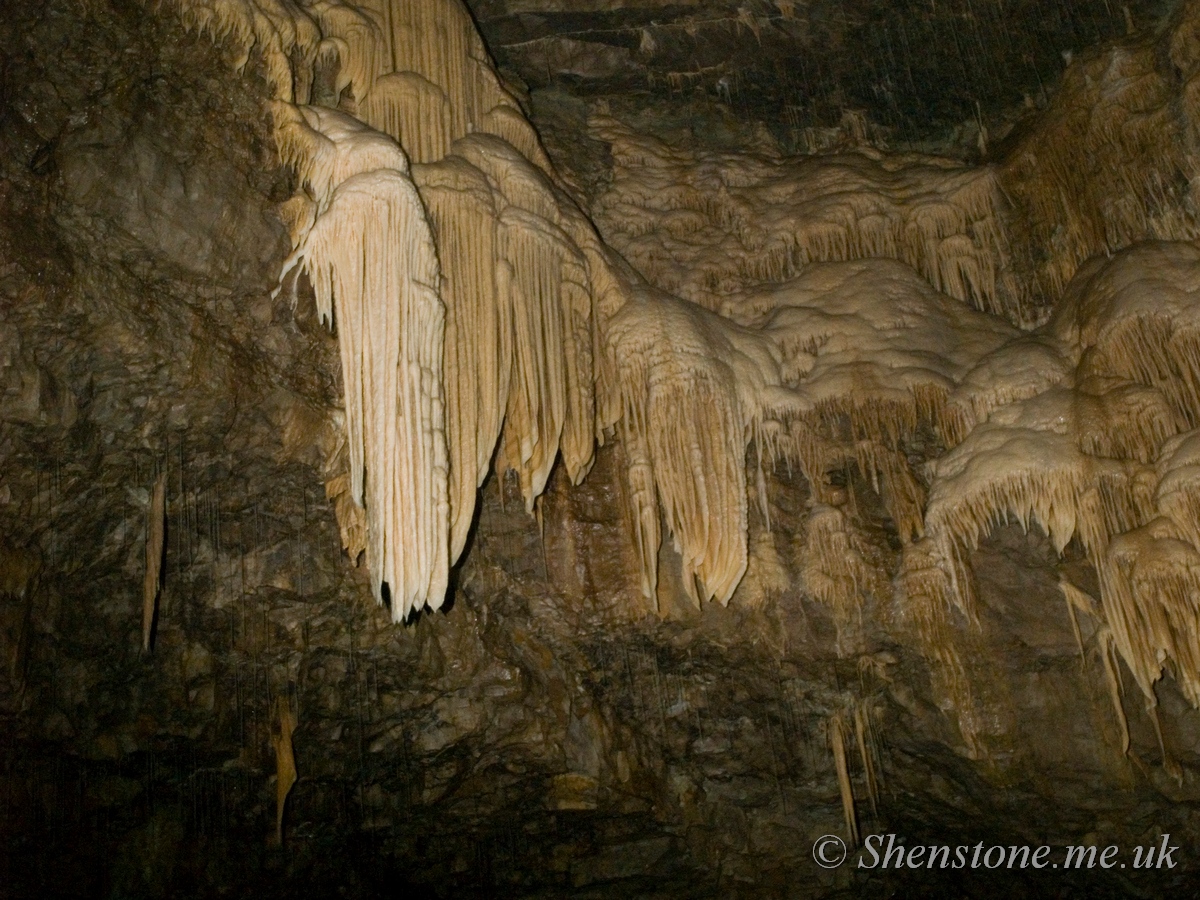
{"x": 547, "y": 734}
{"x": 946, "y": 77}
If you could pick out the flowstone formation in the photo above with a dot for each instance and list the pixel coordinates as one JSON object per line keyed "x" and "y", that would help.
{"x": 1098, "y": 451}
{"x": 702, "y": 224}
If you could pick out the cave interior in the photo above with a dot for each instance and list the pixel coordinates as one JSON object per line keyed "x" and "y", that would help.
{"x": 599, "y": 448}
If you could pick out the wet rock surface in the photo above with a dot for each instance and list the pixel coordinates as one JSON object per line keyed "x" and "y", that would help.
{"x": 546, "y": 735}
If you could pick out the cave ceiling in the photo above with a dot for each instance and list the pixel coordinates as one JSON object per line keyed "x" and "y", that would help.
{"x": 923, "y": 74}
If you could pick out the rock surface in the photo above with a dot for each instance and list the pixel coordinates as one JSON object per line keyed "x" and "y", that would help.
{"x": 542, "y": 736}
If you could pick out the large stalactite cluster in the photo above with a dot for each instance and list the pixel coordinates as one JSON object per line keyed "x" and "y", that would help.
{"x": 830, "y": 313}
{"x": 462, "y": 288}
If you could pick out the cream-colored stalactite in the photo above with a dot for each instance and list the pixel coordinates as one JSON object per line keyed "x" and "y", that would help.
{"x": 766, "y": 575}
{"x": 1024, "y": 462}
{"x": 437, "y": 40}
{"x": 372, "y": 254}
{"x": 592, "y": 287}
{"x": 517, "y": 180}
{"x": 578, "y": 440}
{"x": 506, "y": 121}
{"x": 837, "y": 743}
{"x": 1023, "y": 367}
{"x": 610, "y": 280}
{"x": 326, "y": 147}
{"x": 836, "y": 367}
{"x": 479, "y": 328}
{"x": 1108, "y": 654}
{"x": 869, "y": 343}
{"x": 414, "y": 111}
{"x": 548, "y": 282}
{"x": 330, "y": 53}
{"x": 1103, "y": 168}
{"x": 523, "y": 335}
{"x": 868, "y": 752}
{"x": 836, "y": 565}
{"x": 591, "y": 291}
{"x": 1077, "y": 601}
{"x": 1076, "y": 428}
{"x": 685, "y": 435}
{"x": 1137, "y": 316}
{"x": 540, "y": 330}
{"x": 535, "y": 252}
{"x": 933, "y": 579}
{"x": 299, "y": 39}
{"x": 1151, "y": 578}
{"x": 890, "y": 475}
{"x": 1120, "y": 419}
{"x": 278, "y": 30}
{"x": 432, "y": 38}
{"x": 370, "y": 251}
{"x": 365, "y": 57}
{"x": 1177, "y": 494}
{"x": 863, "y": 354}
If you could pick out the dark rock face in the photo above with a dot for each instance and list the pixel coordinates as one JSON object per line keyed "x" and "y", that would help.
{"x": 545, "y": 736}
{"x": 921, "y": 74}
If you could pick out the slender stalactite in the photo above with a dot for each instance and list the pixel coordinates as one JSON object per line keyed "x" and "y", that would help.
{"x": 285, "y": 762}
{"x": 156, "y": 525}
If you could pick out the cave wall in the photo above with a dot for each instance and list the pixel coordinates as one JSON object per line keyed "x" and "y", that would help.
{"x": 549, "y": 732}
{"x": 814, "y": 74}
